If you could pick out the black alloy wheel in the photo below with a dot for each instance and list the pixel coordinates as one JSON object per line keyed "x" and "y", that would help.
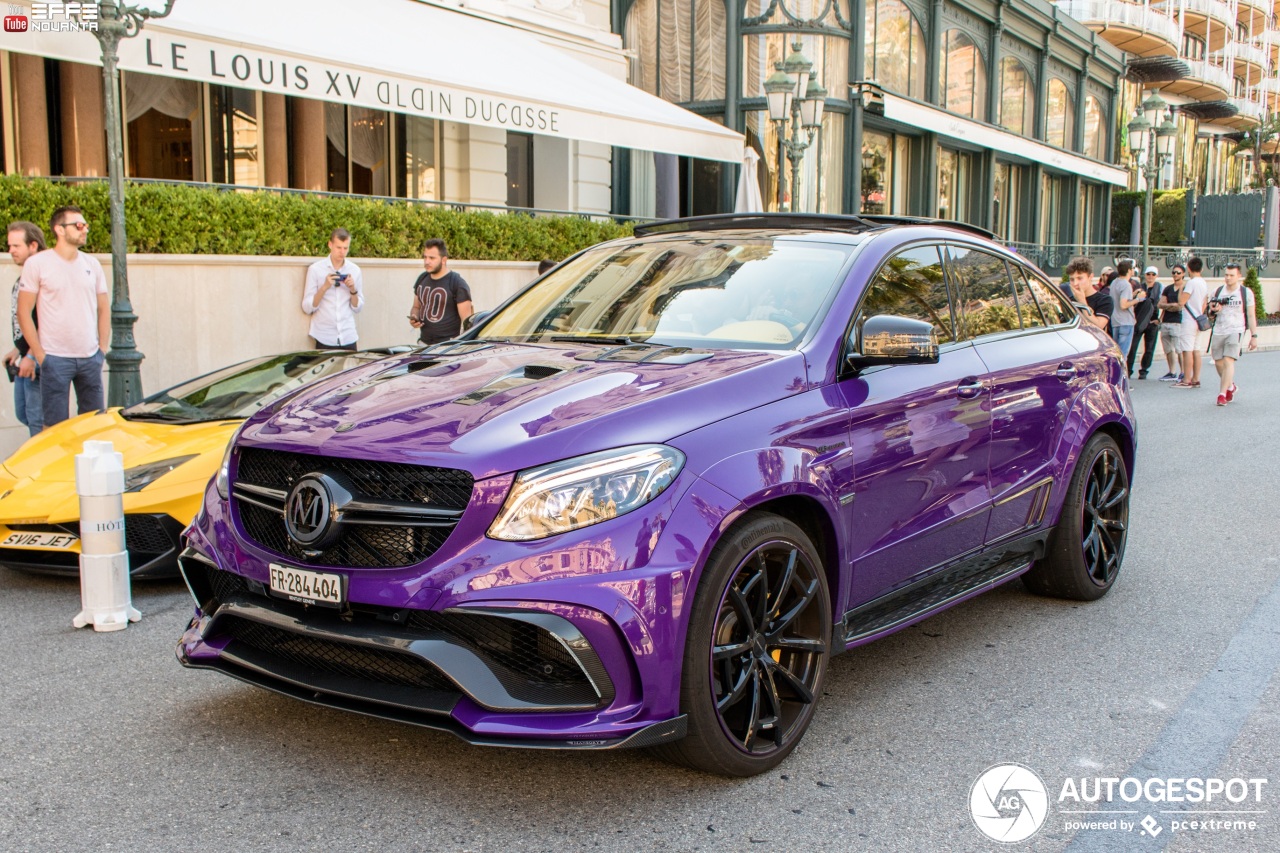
{"x": 1085, "y": 551}
{"x": 1106, "y": 517}
{"x": 757, "y": 650}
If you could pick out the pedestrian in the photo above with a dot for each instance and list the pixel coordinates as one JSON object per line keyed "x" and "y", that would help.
{"x": 1124, "y": 298}
{"x": 1192, "y": 303}
{"x": 1233, "y": 311}
{"x": 69, "y": 291}
{"x": 334, "y": 295}
{"x": 441, "y": 298}
{"x": 25, "y": 240}
{"x": 1146, "y": 328}
{"x": 1085, "y": 291}
{"x": 1171, "y": 323}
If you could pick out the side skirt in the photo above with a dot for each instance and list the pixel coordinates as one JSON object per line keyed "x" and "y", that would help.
{"x": 938, "y": 591}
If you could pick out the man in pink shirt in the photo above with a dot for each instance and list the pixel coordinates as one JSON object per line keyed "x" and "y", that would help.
{"x": 75, "y": 318}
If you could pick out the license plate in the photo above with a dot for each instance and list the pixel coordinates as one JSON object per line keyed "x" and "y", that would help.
{"x": 39, "y": 540}
{"x": 320, "y": 588}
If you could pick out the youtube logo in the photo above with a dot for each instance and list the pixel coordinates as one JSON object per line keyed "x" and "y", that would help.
{"x": 15, "y": 23}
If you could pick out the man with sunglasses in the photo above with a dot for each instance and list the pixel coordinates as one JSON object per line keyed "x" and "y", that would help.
{"x": 1170, "y": 306}
{"x": 70, "y": 290}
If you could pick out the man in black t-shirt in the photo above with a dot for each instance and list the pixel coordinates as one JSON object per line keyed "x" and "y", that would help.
{"x": 441, "y": 299}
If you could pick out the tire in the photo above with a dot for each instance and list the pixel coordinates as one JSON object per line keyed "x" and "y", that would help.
{"x": 756, "y": 650}
{"x": 1086, "y": 549}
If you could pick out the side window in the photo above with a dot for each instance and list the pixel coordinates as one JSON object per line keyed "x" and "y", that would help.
{"x": 984, "y": 297}
{"x": 911, "y": 284}
{"x": 1027, "y": 307}
{"x": 1052, "y": 303}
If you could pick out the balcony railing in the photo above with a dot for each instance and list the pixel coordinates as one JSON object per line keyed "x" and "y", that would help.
{"x": 1116, "y": 13}
{"x": 1211, "y": 73}
{"x": 1246, "y": 53}
{"x": 1219, "y": 11}
{"x": 1249, "y": 109}
{"x": 1270, "y": 85}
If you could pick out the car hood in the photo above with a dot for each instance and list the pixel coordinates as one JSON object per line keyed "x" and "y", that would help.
{"x": 495, "y": 408}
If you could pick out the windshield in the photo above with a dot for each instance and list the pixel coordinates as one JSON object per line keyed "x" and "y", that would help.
{"x": 238, "y": 391}
{"x": 710, "y": 293}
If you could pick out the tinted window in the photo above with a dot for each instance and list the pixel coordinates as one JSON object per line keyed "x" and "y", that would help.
{"x": 985, "y": 301}
{"x": 911, "y": 284}
{"x": 1050, "y": 299}
{"x": 1027, "y": 307}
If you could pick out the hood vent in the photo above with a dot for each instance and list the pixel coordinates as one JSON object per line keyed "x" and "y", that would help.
{"x": 526, "y": 375}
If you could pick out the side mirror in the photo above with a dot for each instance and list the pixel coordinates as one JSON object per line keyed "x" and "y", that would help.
{"x": 475, "y": 319}
{"x": 887, "y": 339}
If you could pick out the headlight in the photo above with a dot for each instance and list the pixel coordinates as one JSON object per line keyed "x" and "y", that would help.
{"x": 223, "y": 480}
{"x": 584, "y": 490}
{"x": 140, "y": 476}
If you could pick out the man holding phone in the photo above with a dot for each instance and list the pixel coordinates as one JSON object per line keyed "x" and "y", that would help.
{"x": 334, "y": 295}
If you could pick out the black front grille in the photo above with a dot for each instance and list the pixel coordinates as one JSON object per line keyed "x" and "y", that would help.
{"x": 524, "y": 649}
{"x": 360, "y": 545}
{"x": 335, "y": 658}
{"x": 446, "y": 488}
{"x": 145, "y": 535}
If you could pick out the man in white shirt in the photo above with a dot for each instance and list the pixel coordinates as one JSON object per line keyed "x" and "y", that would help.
{"x": 1233, "y": 311}
{"x": 1192, "y": 303}
{"x": 334, "y": 295}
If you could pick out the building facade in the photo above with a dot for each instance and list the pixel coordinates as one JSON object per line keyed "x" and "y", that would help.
{"x": 516, "y": 104}
{"x": 1008, "y": 114}
{"x": 1003, "y": 114}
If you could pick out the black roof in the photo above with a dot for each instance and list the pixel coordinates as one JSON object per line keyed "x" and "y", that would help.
{"x": 794, "y": 221}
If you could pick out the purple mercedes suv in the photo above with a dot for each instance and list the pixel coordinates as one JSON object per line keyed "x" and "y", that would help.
{"x": 643, "y": 502}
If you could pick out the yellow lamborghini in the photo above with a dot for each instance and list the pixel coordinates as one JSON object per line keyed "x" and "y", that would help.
{"x": 172, "y": 443}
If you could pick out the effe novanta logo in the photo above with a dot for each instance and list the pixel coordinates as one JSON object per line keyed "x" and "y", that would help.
{"x": 1008, "y": 803}
{"x": 15, "y": 23}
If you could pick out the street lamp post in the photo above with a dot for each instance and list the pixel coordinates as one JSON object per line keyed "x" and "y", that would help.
{"x": 1156, "y": 143}
{"x": 115, "y": 22}
{"x": 793, "y": 95}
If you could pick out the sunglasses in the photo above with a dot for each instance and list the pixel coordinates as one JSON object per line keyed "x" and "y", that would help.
{"x": 81, "y": 225}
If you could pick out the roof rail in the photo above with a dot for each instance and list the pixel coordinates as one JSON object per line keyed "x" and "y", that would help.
{"x": 818, "y": 221}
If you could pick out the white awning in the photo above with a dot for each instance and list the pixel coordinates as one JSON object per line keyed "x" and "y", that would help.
{"x": 404, "y": 56}
{"x": 958, "y": 127}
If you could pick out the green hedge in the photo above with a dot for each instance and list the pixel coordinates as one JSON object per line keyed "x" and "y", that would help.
{"x": 1168, "y": 218}
{"x": 179, "y": 219}
{"x": 1251, "y": 282}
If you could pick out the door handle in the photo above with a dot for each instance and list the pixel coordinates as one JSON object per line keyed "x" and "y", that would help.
{"x": 1065, "y": 371}
{"x": 969, "y": 388}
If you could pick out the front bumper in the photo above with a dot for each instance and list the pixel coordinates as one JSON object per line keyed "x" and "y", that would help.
{"x": 573, "y": 642}
{"x": 427, "y": 668}
{"x": 153, "y": 541}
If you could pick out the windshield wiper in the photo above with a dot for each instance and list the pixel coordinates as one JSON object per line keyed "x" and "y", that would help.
{"x": 148, "y": 416}
{"x": 613, "y": 340}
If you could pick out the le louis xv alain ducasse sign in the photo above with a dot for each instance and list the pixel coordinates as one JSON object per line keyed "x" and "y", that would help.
{"x": 212, "y": 62}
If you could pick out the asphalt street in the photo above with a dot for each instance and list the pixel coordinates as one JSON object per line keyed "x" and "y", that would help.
{"x": 106, "y": 743}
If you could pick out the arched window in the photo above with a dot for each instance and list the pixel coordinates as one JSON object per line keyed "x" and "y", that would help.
{"x": 895, "y": 48}
{"x": 963, "y": 76}
{"x": 1095, "y": 120}
{"x": 679, "y": 47}
{"x": 1017, "y": 97}
{"x": 1060, "y": 116}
